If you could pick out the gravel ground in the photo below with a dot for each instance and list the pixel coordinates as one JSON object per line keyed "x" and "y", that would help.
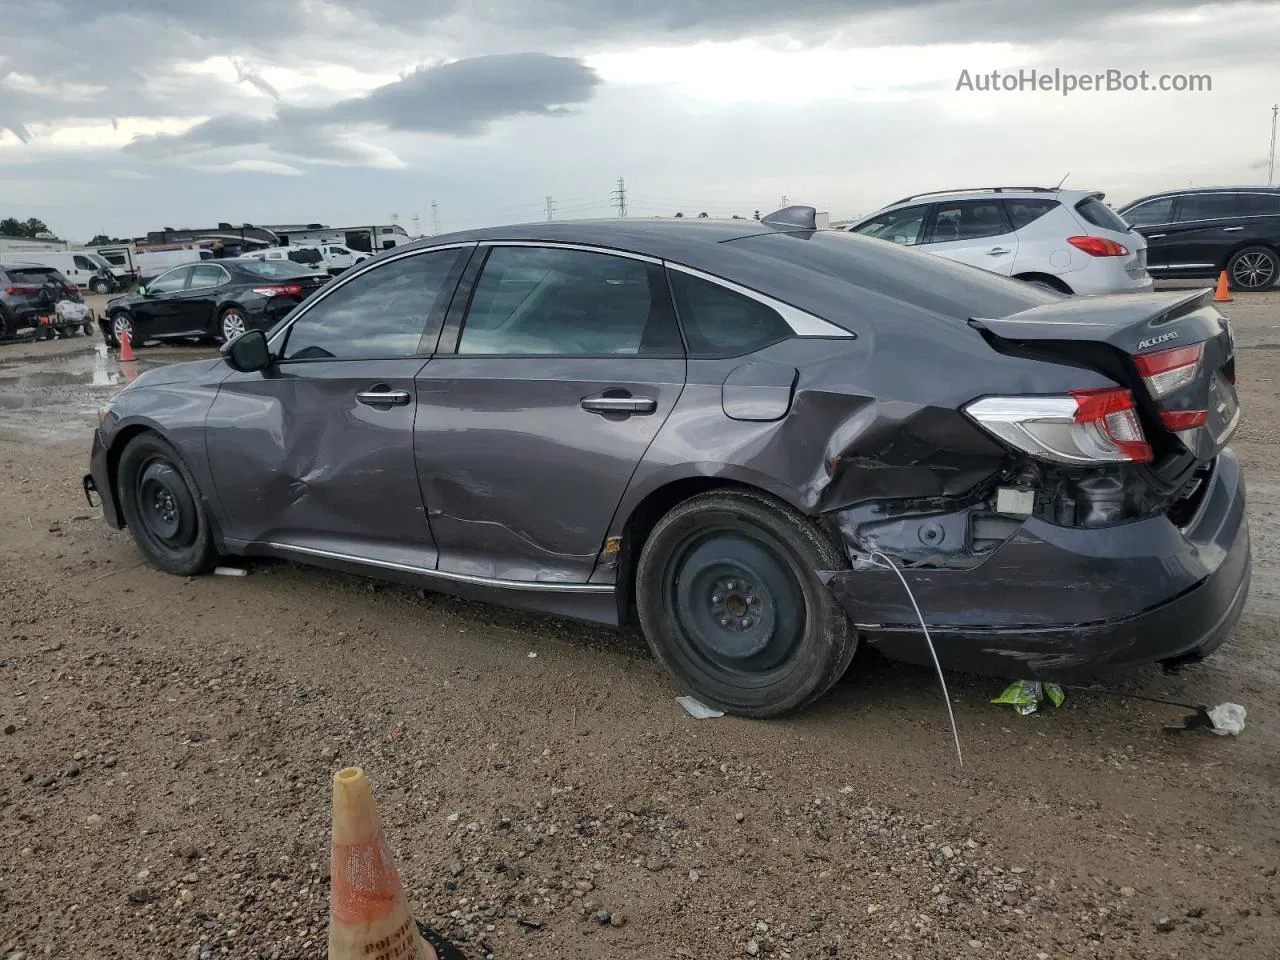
{"x": 168, "y": 746}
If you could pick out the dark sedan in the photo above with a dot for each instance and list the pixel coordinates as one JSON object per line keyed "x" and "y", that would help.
{"x": 218, "y": 299}
{"x": 742, "y": 433}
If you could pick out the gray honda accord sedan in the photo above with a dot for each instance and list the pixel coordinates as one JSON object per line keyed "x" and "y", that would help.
{"x": 764, "y": 441}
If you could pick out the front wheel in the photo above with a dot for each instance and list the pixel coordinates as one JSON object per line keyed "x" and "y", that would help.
{"x": 121, "y": 324}
{"x": 162, "y": 507}
{"x": 1253, "y": 268}
{"x": 99, "y": 286}
{"x": 731, "y": 603}
{"x": 232, "y": 323}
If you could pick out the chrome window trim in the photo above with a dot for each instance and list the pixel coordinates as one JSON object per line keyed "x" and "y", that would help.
{"x": 529, "y": 586}
{"x": 565, "y": 245}
{"x": 354, "y": 273}
{"x": 802, "y": 323}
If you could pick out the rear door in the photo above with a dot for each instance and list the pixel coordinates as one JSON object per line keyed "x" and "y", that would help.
{"x": 314, "y": 455}
{"x": 976, "y": 232}
{"x": 567, "y": 362}
{"x": 1204, "y": 229}
{"x": 200, "y": 301}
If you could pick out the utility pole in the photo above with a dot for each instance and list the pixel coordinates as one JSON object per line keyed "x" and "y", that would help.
{"x": 1271, "y": 164}
{"x": 620, "y": 198}
{"x": 551, "y": 208}
{"x": 785, "y": 201}
{"x": 435, "y": 218}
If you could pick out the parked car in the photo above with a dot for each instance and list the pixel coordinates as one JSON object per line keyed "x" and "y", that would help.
{"x": 219, "y": 299}
{"x": 309, "y": 258}
{"x": 85, "y": 268}
{"x": 1065, "y": 240}
{"x": 1196, "y": 234}
{"x": 29, "y": 297}
{"x": 721, "y": 428}
{"x": 338, "y": 258}
{"x": 151, "y": 263}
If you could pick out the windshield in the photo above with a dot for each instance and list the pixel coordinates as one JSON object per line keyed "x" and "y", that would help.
{"x": 273, "y": 269}
{"x": 98, "y": 261}
{"x": 1100, "y": 215}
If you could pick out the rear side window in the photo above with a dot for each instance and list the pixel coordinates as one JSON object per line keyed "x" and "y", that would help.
{"x": 1207, "y": 206}
{"x": 1259, "y": 204}
{"x": 719, "y": 322}
{"x": 1023, "y": 212}
{"x": 967, "y": 220}
{"x": 1151, "y": 212}
{"x": 901, "y": 226}
{"x": 1100, "y": 215}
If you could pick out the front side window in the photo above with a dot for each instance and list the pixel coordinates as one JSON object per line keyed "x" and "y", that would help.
{"x": 900, "y": 226}
{"x": 719, "y": 322}
{"x": 543, "y": 301}
{"x": 82, "y": 263}
{"x": 383, "y": 313}
{"x": 967, "y": 220}
{"x": 205, "y": 276}
{"x": 1207, "y": 206}
{"x": 171, "y": 282}
{"x": 1150, "y": 213}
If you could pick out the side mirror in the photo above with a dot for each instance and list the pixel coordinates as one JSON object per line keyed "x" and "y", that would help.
{"x": 248, "y": 352}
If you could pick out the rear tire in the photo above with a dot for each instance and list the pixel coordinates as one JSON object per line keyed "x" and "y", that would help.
{"x": 162, "y": 507}
{"x": 1253, "y": 268}
{"x": 232, "y": 323}
{"x": 731, "y": 604}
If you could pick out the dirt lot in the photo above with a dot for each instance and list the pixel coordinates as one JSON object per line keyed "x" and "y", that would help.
{"x": 168, "y": 747}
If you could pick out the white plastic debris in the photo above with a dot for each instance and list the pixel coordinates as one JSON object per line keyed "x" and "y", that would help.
{"x": 697, "y": 709}
{"x": 1228, "y": 719}
{"x": 533, "y": 655}
{"x": 230, "y": 572}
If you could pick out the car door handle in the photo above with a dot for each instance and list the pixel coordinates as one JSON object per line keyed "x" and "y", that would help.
{"x": 1231, "y": 229}
{"x": 997, "y": 251}
{"x": 383, "y": 397}
{"x": 601, "y": 404}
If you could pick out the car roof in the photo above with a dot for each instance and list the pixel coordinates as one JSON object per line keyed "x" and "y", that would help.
{"x": 1192, "y": 191}
{"x": 658, "y": 237}
{"x": 1062, "y": 195}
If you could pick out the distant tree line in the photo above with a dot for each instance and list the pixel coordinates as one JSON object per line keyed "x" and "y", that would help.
{"x": 13, "y": 227}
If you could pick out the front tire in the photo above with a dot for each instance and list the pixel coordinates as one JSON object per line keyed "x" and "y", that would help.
{"x": 99, "y": 286}
{"x": 162, "y": 507}
{"x": 120, "y": 323}
{"x": 1253, "y": 268}
{"x": 731, "y": 604}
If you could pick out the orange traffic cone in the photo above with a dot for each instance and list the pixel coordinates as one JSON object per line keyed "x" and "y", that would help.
{"x": 1221, "y": 295}
{"x": 126, "y": 348}
{"x": 368, "y": 911}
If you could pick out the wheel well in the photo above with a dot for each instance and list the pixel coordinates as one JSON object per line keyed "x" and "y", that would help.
{"x": 1245, "y": 246}
{"x": 1056, "y": 282}
{"x": 645, "y": 517}
{"x": 118, "y": 444}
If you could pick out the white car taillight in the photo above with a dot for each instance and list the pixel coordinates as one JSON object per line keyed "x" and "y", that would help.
{"x": 1087, "y": 426}
{"x": 1167, "y": 370}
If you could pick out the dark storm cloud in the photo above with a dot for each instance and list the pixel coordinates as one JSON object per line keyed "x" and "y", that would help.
{"x": 460, "y": 99}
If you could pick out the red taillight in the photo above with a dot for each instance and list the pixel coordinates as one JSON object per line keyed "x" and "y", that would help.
{"x": 1112, "y": 412}
{"x": 1167, "y": 370}
{"x": 17, "y": 291}
{"x": 1099, "y": 246}
{"x": 73, "y": 288}
{"x": 1183, "y": 419}
{"x": 278, "y": 290}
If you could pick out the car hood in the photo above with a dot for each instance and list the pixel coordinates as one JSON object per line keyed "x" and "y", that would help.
{"x": 175, "y": 373}
{"x": 128, "y": 300}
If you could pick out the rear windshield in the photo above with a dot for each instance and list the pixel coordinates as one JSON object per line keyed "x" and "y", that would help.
{"x": 273, "y": 269}
{"x": 1100, "y": 215}
{"x": 33, "y": 276}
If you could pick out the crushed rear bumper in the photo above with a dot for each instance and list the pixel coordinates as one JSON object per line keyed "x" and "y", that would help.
{"x": 1054, "y": 603}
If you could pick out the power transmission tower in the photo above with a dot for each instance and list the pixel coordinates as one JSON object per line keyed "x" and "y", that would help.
{"x": 551, "y": 208}
{"x": 435, "y": 218}
{"x": 619, "y": 198}
{"x": 1271, "y": 164}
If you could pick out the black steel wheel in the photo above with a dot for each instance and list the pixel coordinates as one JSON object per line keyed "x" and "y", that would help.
{"x": 1253, "y": 268}
{"x": 162, "y": 507}
{"x": 731, "y": 603}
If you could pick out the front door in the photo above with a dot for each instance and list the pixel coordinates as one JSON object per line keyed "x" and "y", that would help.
{"x": 315, "y": 453}
{"x": 976, "y": 232}
{"x": 159, "y": 312}
{"x": 567, "y": 364}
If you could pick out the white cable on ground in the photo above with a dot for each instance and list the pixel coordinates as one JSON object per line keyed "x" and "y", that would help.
{"x": 929, "y": 640}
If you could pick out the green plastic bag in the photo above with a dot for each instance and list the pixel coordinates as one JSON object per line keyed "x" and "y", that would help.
{"x": 1025, "y": 695}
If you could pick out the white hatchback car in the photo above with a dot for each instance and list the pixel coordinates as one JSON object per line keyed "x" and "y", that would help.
{"x": 1066, "y": 240}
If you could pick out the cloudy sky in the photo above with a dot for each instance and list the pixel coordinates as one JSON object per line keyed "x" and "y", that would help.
{"x": 121, "y": 116}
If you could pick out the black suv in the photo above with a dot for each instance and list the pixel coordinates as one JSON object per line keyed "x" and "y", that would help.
{"x": 29, "y": 294}
{"x": 1194, "y": 234}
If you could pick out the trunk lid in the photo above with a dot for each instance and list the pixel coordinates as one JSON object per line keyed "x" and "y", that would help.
{"x": 1174, "y": 351}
